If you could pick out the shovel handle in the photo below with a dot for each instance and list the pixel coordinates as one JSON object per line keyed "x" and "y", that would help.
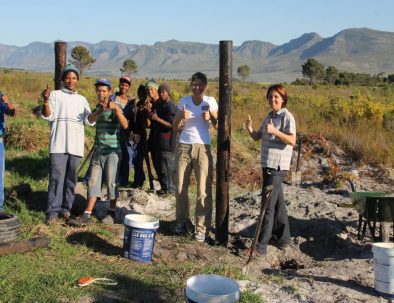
{"x": 86, "y": 160}
{"x": 264, "y": 202}
{"x": 299, "y": 151}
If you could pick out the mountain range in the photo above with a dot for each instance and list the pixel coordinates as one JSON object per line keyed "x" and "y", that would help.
{"x": 359, "y": 50}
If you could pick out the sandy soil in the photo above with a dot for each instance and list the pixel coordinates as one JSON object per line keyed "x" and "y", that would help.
{"x": 326, "y": 261}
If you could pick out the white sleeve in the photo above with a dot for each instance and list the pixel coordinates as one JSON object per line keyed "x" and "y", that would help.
{"x": 52, "y": 102}
{"x": 86, "y": 113}
{"x": 213, "y": 105}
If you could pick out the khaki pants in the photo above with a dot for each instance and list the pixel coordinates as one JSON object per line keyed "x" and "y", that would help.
{"x": 196, "y": 157}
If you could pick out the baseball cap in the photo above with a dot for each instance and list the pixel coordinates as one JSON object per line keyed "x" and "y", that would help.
{"x": 103, "y": 82}
{"x": 125, "y": 79}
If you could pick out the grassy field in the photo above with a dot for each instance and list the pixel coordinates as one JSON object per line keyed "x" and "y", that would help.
{"x": 360, "y": 119}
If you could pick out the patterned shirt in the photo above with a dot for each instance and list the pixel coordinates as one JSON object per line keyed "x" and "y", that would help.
{"x": 274, "y": 153}
{"x": 107, "y": 133}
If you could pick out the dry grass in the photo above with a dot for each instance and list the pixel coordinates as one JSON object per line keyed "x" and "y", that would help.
{"x": 357, "y": 118}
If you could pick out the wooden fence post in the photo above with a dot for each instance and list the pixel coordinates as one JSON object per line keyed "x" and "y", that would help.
{"x": 224, "y": 138}
{"x": 60, "y": 62}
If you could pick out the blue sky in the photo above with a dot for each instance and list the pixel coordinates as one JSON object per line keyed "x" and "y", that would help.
{"x": 208, "y": 21}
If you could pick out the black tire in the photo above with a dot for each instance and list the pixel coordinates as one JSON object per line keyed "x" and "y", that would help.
{"x": 9, "y": 227}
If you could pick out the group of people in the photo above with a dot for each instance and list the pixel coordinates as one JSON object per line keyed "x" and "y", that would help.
{"x": 179, "y": 144}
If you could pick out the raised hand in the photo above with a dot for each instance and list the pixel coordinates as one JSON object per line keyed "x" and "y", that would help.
{"x": 185, "y": 113}
{"x": 4, "y": 98}
{"x": 248, "y": 122}
{"x": 45, "y": 93}
{"x": 206, "y": 115}
{"x": 270, "y": 127}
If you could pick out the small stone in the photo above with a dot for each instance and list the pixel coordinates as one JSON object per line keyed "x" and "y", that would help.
{"x": 181, "y": 256}
{"x": 390, "y": 173}
{"x": 343, "y": 236}
{"x": 137, "y": 208}
{"x": 243, "y": 284}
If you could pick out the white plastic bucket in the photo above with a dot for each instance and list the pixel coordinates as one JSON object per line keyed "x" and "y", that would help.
{"x": 139, "y": 237}
{"x": 211, "y": 289}
{"x": 383, "y": 256}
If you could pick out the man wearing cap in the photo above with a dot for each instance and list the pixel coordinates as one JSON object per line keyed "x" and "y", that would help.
{"x": 67, "y": 112}
{"x": 163, "y": 139}
{"x": 109, "y": 120}
{"x": 124, "y": 100}
{"x": 6, "y": 108}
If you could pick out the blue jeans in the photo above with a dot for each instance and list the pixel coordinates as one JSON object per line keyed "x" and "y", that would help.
{"x": 276, "y": 222}
{"x": 139, "y": 174}
{"x": 2, "y": 156}
{"x": 62, "y": 181}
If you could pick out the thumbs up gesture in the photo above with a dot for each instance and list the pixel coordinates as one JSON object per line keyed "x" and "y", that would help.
{"x": 270, "y": 128}
{"x": 45, "y": 93}
{"x": 206, "y": 115}
{"x": 185, "y": 113}
{"x": 248, "y": 123}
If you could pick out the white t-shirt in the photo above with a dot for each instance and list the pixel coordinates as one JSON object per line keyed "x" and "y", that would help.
{"x": 69, "y": 113}
{"x": 196, "y": 129}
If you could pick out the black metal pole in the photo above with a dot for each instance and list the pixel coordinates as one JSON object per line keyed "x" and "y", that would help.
{"x": 223, "y": 146}
{"x": 60, "y": 62}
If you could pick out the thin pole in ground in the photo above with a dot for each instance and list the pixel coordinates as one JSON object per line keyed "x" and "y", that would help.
{"x": 223, "y": 141}
{"x": 60, "y": 62}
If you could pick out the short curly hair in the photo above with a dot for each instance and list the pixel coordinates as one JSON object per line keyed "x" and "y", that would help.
{"x": 281, "y": 90}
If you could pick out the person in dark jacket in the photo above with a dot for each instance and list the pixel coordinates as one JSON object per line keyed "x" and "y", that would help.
{"x": 163, "y": 139}
{"x": 122, "y": 99}
{"x": 136, "y": 115}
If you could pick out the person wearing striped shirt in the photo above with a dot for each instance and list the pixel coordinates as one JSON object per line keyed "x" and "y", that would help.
{"x": 109, "y": 120}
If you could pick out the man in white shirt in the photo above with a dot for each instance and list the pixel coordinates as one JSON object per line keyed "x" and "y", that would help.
{"x": 66, "y": 111}
{"x": 195, "y": 116}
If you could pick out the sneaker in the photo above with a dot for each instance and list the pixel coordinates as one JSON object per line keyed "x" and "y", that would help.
{"x": 179, "y": 229}
{"x": 80, "y": 222}
{"x": 199, "y": 237}
{"x": 161, "y": 192}
{"x": 109, "y": 219}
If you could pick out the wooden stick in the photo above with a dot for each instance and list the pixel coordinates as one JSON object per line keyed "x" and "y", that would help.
{"x": 20, "y": 246}
{"x": 264, "y": 201}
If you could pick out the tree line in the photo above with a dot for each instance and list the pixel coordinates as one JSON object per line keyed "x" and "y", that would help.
{"x": 314, "y": 72}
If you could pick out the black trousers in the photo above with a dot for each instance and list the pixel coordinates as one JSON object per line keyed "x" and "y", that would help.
{"x": 276, "y": 222}
{"x": 138, "y": 162}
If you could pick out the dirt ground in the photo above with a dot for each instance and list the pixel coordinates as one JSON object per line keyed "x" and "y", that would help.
{"x": 326, "y": 261}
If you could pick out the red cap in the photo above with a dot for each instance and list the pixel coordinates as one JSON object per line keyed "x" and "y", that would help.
{"x": 125, "y": 79}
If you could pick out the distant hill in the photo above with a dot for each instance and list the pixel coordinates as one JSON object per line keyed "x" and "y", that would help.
{"x": 359, "y": 50}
